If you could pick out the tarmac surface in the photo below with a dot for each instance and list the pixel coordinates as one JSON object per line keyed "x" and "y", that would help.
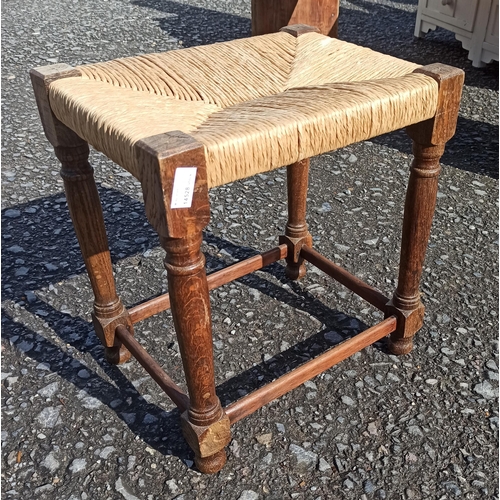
{"x": 421, "y": 426}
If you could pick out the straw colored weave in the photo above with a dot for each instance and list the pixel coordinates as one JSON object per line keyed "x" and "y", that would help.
{"x": 256, "y": 104}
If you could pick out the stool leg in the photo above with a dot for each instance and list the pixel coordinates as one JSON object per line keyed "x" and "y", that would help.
{"x": 86, "y": 212}
{"x": 418, "y": 214}
{"x": 429, "y": 138}
{"x": 205, "y": 425}
{"x": 296, "y": 232}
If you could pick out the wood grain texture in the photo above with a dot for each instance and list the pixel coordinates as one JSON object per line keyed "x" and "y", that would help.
{"x": 188, "y": 290}
{"x": 299, "y": 29}
{"x": 440, "y": 129}
{"x": 409, "y": 322}
{"x": 206, "y": 440}
{"x": 268, "y": 16}
{"x": 57, "y": 133}
{"x": 429, "y": 138}
{"x": 296, "y": 232}
{"x": 173, "y": 391}
{"x": 248, "y": 404}
{"x": 214, "y": 280}
{"x": 180, "y": 236}
{"x": 211, "y": 464}
{"x": 86, "y": 213}
{"x": 418, "y": 213}
{"x": 159, "y": 157}
{"x": 365, "y": 291}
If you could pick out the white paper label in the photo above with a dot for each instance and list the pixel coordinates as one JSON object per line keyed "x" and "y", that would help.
{"x": 182, "y": 192}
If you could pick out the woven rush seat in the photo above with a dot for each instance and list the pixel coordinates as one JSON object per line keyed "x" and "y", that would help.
{"x": 185, "y": 121}
{"x": 255, "y": 104}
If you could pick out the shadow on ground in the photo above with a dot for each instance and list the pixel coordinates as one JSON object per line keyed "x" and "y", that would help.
{"x": 195, "y": 25}
{"x": 28, "y": 265}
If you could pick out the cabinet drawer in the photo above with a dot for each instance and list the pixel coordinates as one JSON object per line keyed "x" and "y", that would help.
{"x": 459, "y": 13}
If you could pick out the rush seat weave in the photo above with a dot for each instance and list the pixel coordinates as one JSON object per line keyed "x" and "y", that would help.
{"x": 185, "y": 121}
{"x": 255, "y": 104}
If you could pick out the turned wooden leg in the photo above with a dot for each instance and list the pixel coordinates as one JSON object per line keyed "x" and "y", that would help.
{"x": 296, "y": 233}
{"x": 86, "y": 212}
{"x": 174, "y": 163}
{"x": 418, "y": 214}
{"x": 190, "y": 305}
{"x": 429, "y": 138}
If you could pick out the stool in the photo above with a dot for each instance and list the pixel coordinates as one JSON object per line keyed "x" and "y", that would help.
{"x": 184, "y": 121}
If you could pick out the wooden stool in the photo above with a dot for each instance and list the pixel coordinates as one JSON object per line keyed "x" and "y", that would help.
{"x": 182, "y": 124}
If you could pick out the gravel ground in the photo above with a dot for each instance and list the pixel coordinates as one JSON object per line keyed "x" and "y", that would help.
{"x": 422, "y": 426}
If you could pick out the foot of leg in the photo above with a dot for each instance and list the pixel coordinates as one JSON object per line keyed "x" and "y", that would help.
{"x": 207, "y": 441}
{"x": 295, "y": 271}
{"x": 400, "y": 346}
{"x": 410, "y": 318}
{"x": 211, "y": 464}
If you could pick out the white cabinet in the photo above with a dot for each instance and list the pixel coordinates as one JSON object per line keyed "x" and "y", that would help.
{"x": 474, "y": 22}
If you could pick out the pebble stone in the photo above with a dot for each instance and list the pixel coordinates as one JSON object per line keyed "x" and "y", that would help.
{"x": 348, "y": 401}
{"x": 12, "y": 213}
{"x": 303, "y": 461}
{"x": 248, "y": 495}
{"x": 77, "y": 465}
{"x": 120, "y": 488}
{"x": 486, "y": 390}
{"x": 323, "y": 465}
{"x": 49, "y": 417}
{"x": 50, "y": 462}
{"x": 334, "y": 337}
{"x": 453, "y": 489}
{"x": 106, "y": 452}
{"x": 368, "y": 487}
{"x": 280, "y": 427}
{"x": 172, "y": 486}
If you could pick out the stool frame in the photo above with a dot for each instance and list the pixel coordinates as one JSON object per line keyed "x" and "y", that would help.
{"x": 205, "y": 424}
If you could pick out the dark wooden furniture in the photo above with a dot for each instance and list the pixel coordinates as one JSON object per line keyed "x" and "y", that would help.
{"x": 269, "y": 16}
{"x": 157, "y": 159}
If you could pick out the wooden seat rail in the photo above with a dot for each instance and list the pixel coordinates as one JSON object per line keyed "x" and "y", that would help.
{"x": 260, "y": 397}
{"x": 365, "y": 291}
{"x": 214, "y": 280}
{"x": 171, "y": 389}
{"x": 252, "y": 264}
{"x": 256, "y": 399}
